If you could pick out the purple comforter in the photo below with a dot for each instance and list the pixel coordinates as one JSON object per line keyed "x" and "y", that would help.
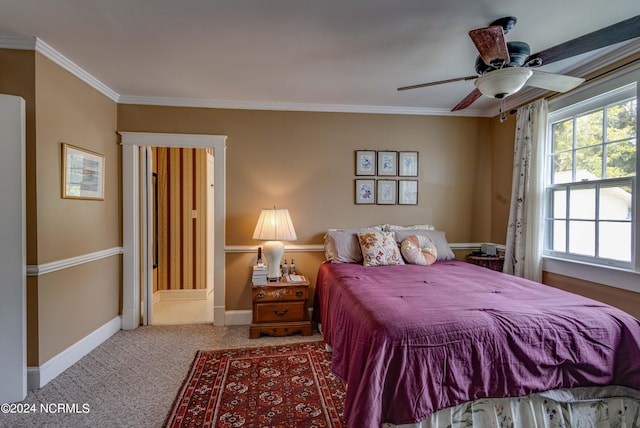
{"x": 411, "y": 340}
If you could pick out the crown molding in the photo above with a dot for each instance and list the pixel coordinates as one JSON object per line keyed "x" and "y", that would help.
{"x": 74, "y": 69}
{"x": 17, "y": 42}
{"x": 284, "y": 106}
{"x": 38, "y": 45}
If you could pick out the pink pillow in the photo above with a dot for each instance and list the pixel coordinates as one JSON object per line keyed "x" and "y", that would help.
{"x": 418, "y": 250}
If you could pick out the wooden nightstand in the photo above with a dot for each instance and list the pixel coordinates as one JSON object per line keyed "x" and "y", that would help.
{"x": 280, "y": 309}
{"x": 489, "y": 262}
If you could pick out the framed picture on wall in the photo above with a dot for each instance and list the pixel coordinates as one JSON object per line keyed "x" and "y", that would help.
{"x": 408, "y": 164}
{"x": 408, "y": 192}
{"x": 365, "y": 191}
{"x": 365, "y": 162}
{"x": 82, "y": 173}
{"x": 387, "y": 163}
{"x": 386, "y": 192}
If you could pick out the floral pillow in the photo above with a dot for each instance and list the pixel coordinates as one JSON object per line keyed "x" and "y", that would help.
{"x": 418, "y": 250}
{"x": 379, "y": 249}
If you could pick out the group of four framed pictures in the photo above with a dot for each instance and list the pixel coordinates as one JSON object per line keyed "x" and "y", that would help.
{"x": 386, "y": 191}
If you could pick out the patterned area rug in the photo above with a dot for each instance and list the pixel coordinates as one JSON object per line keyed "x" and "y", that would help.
{"x": 278, "y": 386}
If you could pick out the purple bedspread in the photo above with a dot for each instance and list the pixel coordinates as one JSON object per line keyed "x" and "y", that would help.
{"x": 411, "y": 340}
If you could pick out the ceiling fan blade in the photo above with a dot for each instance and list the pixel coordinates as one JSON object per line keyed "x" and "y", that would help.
{"x": 623, "y": 30}
{"x": 439, "y": 82}
{"x": 468, "y": 100}
{"x": 553, "y": 82}
{"x": 490, "y": 43}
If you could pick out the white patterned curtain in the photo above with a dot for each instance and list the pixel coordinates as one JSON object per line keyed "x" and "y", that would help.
{"x": 523, "y": 255}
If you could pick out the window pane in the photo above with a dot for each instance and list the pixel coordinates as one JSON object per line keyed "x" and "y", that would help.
{"x": 615, "y": 202}
{"x": 559, "y": 236}
{"x": 582, "y": 237}
{"x": 582, "y": 203}
{"x": 563, "y": 135}
{"x": 621, "y": 121}
{"x": 621, "y": 159}
{"x": 589, "y": 163}
{"x": 559, "y": 201}
{"x": 615, "y": 240}
{"x": 562, "y": 167}
{"x": 589, "y": 129}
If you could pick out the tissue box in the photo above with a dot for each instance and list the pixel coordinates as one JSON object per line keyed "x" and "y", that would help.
{"x": 489, "y": 249}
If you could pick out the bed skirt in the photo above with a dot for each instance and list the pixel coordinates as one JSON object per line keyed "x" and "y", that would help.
{"x": 602, "y": 407}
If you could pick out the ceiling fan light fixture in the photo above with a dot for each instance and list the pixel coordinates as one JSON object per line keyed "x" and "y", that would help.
{"x": 503, "y": 82}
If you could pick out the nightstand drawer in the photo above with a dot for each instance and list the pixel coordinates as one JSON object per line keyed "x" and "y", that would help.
{"x": 279, "y": 294}
{"x": 277, "y": 312}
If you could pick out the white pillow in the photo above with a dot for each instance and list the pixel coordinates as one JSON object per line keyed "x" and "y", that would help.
{"x": 394, "y": 227}
{"x": 418, "y": 250}
{"x": 379, "y": 248}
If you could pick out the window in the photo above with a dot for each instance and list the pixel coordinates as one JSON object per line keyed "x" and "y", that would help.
{"x": 591, "y": 190}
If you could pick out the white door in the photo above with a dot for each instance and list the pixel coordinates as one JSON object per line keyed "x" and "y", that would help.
{"x": 13, "y": 333}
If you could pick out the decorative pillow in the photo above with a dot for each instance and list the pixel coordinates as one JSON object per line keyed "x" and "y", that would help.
{"x": 342, "y": 246}
{"x": 418, "y": 250}
{"x": 379, "y": 249}
{"x": 438, "y": 238}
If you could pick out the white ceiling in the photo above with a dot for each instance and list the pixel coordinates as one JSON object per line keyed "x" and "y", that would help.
{"x": 341, "y": 55}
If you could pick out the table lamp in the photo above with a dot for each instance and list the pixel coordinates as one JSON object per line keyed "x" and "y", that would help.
{"x": 274, "y": 226}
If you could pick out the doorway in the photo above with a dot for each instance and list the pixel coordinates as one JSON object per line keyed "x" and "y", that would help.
{"x": 182, "y": 215}
{"x": 137, "y": 230}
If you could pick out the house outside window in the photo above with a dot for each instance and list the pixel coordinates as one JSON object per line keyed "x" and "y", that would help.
{"x": 592, "y": 180}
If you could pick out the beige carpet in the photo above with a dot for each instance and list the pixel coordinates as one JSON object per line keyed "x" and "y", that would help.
{"x": 132, "y": 379}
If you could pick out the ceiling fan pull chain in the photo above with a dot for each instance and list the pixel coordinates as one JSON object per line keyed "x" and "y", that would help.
{"x": 503, "y": 115}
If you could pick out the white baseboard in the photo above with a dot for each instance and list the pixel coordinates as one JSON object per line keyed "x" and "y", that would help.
{"x": 162, "y": 295}
{"x": 37, "y": 377}
{"x": 243, "y": 317}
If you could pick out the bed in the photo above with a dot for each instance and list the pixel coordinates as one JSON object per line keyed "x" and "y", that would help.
{"x": 414, "y": 341}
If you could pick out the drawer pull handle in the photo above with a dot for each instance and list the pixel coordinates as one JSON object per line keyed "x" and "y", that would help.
{"x": 299, "y": 293}
{"x": 275, "y": 311}
{"x": 261, "y": 294}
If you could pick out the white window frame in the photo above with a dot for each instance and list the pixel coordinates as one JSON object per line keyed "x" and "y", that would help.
{"x": 589, "y": 97}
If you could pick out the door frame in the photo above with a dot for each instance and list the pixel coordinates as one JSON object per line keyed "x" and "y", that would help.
{"x": 135, "y": 222}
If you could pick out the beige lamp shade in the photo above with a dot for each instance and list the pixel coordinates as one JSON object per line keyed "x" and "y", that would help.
{"x": 274, "y": 226}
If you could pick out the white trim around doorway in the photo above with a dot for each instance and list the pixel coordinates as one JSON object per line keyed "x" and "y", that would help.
{"x": 132, "y": 219}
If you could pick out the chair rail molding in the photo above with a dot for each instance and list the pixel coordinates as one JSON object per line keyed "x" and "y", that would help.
{"x": 45, "y": 268}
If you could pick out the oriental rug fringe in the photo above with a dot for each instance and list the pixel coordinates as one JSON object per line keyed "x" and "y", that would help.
{"x": 275, "y": 386}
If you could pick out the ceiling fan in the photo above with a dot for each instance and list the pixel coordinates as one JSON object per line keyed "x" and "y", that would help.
{"x": 503, "y": 68}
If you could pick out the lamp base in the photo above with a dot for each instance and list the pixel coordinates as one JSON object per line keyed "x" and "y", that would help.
{"x": 273, "y": 252}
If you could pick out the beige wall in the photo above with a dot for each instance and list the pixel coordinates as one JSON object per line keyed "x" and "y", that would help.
{"x": 74, "y": 302}
{"x": 66, "y": 305}
{"x": 502, "y": 139}
{"x": 305, "y": 162}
